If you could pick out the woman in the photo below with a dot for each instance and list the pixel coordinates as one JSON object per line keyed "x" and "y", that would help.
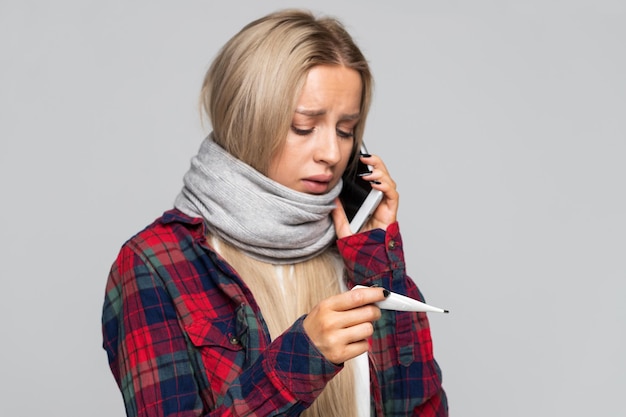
{"x": 235, "y": 302}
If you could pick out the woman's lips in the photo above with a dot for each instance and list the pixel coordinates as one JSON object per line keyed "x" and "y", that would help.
{"x": 317, "y": 184}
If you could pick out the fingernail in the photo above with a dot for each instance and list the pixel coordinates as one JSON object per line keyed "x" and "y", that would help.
{"x": 365, "y": 155}
{"x": 375, "y": 182}
{"x": 386, "y": 293}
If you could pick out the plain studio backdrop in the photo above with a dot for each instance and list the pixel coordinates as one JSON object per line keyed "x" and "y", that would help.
{"x": 503, "y": 123}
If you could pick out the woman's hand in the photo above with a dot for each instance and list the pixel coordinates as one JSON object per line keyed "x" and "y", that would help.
{"x": 340, "y": 325}
{"x": 387, "y": 210}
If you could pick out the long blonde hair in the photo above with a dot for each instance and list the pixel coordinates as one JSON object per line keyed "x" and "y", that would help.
{"x": 286, "y": 292}
{"x": 251, "y": 88}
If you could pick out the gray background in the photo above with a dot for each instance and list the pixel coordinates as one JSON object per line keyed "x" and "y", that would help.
{"x": 503, "y": 123}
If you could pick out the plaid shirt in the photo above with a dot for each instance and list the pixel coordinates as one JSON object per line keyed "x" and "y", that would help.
{"x": 185, "y": 337}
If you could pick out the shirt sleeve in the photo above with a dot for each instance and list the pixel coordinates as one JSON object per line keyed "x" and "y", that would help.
{"x": 409, "y": 376}
{"x": 149, "y": 356}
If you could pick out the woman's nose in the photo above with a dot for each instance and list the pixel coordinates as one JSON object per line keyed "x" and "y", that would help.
{"x": 327, "y": 150}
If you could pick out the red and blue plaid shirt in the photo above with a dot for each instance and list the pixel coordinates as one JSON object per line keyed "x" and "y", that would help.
{"x": 185, "y": 337}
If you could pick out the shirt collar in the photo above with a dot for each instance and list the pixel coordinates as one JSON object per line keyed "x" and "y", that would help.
{"x": 177, "y": 216}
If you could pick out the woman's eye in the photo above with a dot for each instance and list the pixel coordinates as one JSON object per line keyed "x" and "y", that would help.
{"x": 301, "y": 132}
{"x": 344, "y": 134}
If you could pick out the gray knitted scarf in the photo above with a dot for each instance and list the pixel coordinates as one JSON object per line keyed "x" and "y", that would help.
{"x": 261, "y": 217}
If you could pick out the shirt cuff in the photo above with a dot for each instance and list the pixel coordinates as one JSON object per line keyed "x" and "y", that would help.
{"x": 299, "y": 365}
{"x": 370, "y": 255}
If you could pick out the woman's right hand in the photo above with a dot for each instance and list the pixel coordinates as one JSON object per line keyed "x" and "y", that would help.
{"x": 340, "y": 325}
{"x": 387, "y": 210}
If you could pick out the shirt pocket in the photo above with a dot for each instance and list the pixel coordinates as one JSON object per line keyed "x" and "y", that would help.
{"x": 415, "y": 351}
{"x": 207, "y": 332}
{"x": 220, "y": 353}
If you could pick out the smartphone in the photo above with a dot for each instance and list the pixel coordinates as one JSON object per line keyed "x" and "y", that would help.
{"x": 358, "y": 197}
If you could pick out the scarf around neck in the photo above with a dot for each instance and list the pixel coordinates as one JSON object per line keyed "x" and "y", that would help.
{"x": 262, "y": 218}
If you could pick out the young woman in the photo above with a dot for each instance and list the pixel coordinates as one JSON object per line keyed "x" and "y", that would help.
{"x": 235, "y": 302}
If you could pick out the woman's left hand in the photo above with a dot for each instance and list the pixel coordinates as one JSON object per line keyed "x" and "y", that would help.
{"x": 385, "y": 213}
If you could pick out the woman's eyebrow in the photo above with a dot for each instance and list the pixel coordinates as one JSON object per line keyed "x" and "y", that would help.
{"x": 315, "y": 113}
{"x": 310, "y": 113}
{"x": 354, "y": 116}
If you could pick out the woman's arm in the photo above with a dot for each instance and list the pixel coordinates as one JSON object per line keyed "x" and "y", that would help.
{"x": 408, "y": 375}
{"x": 160, "y": 374}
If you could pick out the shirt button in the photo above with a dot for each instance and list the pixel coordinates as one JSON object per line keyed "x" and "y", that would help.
{"x": 234, "y": 341}
{"x": 392, "y": 244}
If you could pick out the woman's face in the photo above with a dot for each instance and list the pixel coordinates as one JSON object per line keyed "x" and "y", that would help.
{"x": 319, "y": 143}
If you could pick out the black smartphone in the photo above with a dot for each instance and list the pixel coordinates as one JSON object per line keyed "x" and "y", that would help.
{"x": 358, "y": 197}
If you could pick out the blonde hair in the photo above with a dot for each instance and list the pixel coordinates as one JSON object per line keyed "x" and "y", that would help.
{"x": 250, "y": 91}
{"x": 286, "y": 292}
